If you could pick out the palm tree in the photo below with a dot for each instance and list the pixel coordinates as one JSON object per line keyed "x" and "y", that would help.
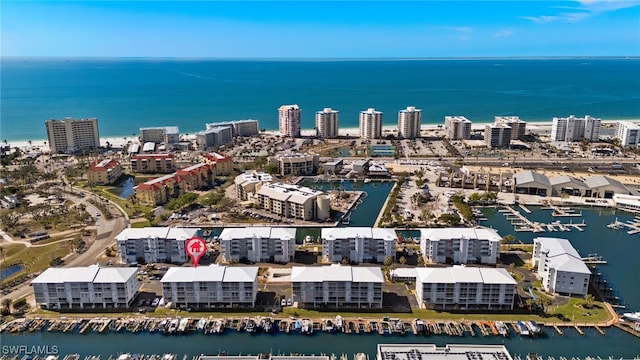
{"x": 402, "y": 260}
{"x": 589, "y": 299}
{"x": 6, "y": 303}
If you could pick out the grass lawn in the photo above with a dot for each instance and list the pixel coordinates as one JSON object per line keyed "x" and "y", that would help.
{"x": 140, "y": 224}
{"x": 37, "y": 258}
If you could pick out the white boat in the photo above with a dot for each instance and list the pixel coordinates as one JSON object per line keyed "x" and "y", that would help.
{"x": 502, "y": 328}
{"x": 367, "y": 180}
{"x": 339, "y": 323}
{"x": 634, "y": 316}
{"x": 182, "y": 327}
{"x": 201, "y": 323}
{"x": 533, "y": 327}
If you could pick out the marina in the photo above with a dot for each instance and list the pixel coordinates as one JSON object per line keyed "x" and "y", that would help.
{"x": 521, "y": 223}
{"x": 268, "y": 325}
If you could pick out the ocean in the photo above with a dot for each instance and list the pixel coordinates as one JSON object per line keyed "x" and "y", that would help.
{"x": 126, "y": 94}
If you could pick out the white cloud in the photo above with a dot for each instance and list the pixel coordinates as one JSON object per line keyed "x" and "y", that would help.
{"x": 584, "y": 10}
{"x": 503, "y": 33}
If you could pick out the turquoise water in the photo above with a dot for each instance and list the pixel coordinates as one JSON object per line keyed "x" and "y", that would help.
{"x": 127, "y": 94}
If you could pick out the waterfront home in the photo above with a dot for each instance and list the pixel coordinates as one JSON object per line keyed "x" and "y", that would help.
{"x": 223, "y": 164}
{"x": 560, "y": 267}
{"x": 248, "y": 184}
{"x": 358, "y": 244}
{"x": 154, "y": 244}
{"x": 337, "y": 286}
{"x": 258, "y": 244}
{"x": 86, "y": 287}
{"x": 212, "y": 286}
{"x": 460, "y": 245}
{"x": 463, "y": 288}
{"x": 294, "y": 201}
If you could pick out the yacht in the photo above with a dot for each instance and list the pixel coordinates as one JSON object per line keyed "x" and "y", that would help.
{"x": 502, "y": 328}
{"x": 339, "y": 324}
{"x": 533, "y": 327}
{"x": 634, "y": 316}
{"x": 522, "y": 328}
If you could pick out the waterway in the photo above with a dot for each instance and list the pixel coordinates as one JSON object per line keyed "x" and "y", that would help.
{"x": 616, "y": 343}
{"x": 14, "y": 269}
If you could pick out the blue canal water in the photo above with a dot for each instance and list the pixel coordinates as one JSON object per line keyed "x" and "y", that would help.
{"x": 4, "y": 273}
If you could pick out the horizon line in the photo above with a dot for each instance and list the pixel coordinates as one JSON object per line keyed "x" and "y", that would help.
{"x": 533, "y": 57}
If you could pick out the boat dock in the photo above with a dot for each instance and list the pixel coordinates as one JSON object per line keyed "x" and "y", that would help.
{"x": 523, "y": 224}
{"x": 292, "y": 325}
{"x": 633, "y": 225}
{"x": 594, "y": 259}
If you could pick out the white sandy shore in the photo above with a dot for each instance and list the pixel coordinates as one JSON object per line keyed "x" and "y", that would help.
{"x": 119, "y": 141}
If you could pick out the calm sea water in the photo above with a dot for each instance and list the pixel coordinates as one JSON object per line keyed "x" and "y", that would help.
{"x": 127, "y": 94}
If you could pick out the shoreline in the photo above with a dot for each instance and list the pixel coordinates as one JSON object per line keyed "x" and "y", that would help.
{"x": 117, "y": 141}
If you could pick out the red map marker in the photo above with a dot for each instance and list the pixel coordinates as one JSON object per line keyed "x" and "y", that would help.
{"x": 195, "y": 248}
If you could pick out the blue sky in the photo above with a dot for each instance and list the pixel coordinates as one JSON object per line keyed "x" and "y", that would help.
{"x": 300, "y": 29}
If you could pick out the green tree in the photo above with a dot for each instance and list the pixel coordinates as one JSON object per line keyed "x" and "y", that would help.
{"x": 6, "y": 304}
{"x": 589, "y": 299}
{"x": 388, "y": 261}
{"x": 402, "y": 260}
{"x": 508, "y": 239}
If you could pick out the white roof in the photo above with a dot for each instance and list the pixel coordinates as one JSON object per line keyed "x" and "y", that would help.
{"x": 528, "y": 178}
{"x": 157, "y": 232}
{"x": 258, "y": 232}
{"x": 336, "y": 272}
{"x": 211, "y": 273}
{"x": 602, "y": 181}
{"x": 358, "y": 231}
{"x": 481, "y": 233}
{"x": 565, "y": 180}
{"x": 447, "y": 352}
{"x": 115, "y": 274}
{"x": 85, "y": 274}
{"x": 463, "y": 274}
{"x": 562, "y": 256}
{"x": 149, "y": 146}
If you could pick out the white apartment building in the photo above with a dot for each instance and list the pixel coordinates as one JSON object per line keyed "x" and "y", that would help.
{"x": 463, "y": 288}
{"x": 409, "y": 122}
{"x": 457, "y": 127}
{"x": 337, "y": 286}
{"x": 86, "y": 287}
{"x": 248, "y": 184}
{"x": 239, "y": 127}
{"x": 258, "y": 244}
{"x": 628, "y": 133}
{"x": 518, "y": 127}
{"x": 435, "y": 352}
{"x": 212, "y": 286}
{"x": 572, "y": 128}
{"x": 289, "y": 119}
{"x": 154, "y": 244}
{"x": 497, "y": 135}
{"x": 296, "y": 164}
{"x": 358, "y": 244}
{"x": 214, "y": 137}
{"x": 460, "y": 245}
{"x": 327, "y": 123}
{"x": 70, "y": 136}
{"x": 294, "y": 201}
{"x": 371, "y": 124}
{"x": 560, "y": 267}
{"x": 160, "y": 134}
